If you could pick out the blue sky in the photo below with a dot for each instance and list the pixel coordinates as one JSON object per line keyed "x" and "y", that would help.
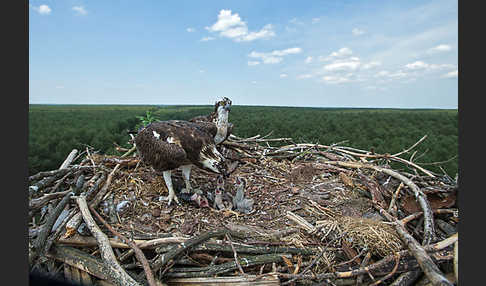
{"x": 400, "y": 54}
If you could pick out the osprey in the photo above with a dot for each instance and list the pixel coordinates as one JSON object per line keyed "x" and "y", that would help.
{"x": 217, "y": 123}
{"x": 169, "y": 145}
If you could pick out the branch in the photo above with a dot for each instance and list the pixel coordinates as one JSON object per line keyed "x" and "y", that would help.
{"x": 69, "y": 159}
{"x": 426, "y": 264}
{"x": 117, "y": 273}
{"x": 138, "y": 253}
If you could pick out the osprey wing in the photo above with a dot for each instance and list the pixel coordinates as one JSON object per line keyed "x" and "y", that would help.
{"x": 157, "y": 146}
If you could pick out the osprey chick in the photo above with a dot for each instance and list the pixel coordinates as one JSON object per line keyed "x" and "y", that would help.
{"x": 172, "y": 144}
{"x": 241, "y": 203}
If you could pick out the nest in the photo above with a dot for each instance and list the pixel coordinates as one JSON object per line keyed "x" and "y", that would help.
{"x": 316, "y": 206}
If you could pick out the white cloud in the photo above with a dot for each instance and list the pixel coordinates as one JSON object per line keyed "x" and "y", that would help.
{"x": 440, "y": 48}
{"x": 349, "y": 64}
{"x": 265, "y": 32}
{"x": 335, "y": 79}
{"x": 308, "y": 60}
{"x": 190, "y": 30}
{"x": 358, "y": 32}
{"x": 417, "y": 65}
{"x": 283, "y": 75}
{"x": 371, "y": 64}
{"x": 42, "y": 9}
{"x": 342, "y": 52}
{"x": 275, "y": 56}
{"x": 80, "y": 10}
{"x": 205, "y": 39}
{"x": 452, "y": 74}
{"x": 253, "y": 63}
{"x": 231, "y": 26}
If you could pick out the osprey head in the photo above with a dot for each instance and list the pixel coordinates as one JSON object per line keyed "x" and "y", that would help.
{"x": 223, "y": 104}
{"x": 240, "y": 181}
{"x": 200, "y": 200}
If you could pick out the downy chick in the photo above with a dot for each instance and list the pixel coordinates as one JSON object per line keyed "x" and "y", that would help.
{"x": 241, "y": 203}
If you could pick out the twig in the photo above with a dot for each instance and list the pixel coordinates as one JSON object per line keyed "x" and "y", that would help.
{"x": 394, "y": 197}
{"x": 397, "y": 262}
{"x": 411, "y": 147}
{"x": 314, "y": 261}
{"x": 138, "y": 253}
{"x": 235, "y": 255}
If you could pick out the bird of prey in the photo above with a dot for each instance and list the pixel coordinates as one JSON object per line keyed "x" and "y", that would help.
{"x": 217, "y": 123}
{"x": 172, "y": 144}
{"x": 241, "y": 203}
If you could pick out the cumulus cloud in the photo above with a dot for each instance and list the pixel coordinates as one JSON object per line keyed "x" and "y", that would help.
{"x": 342, "y": 52}
{"x": 308, "y": 60}
{"x": 440, "y": 48}
{"x": 452, "y": 74}
{"x": 275, "y": 56}
{"x": 417, "y": 65}
{"x": 371, "y": 65}
{"x": 42, "y": 9}
{"x": 231, "y": 26}
{"x": 80, "y": 10}
{"x": 190, "y": 30}
{"x": 358, "y": 32}
{"x": 349, "y": 64}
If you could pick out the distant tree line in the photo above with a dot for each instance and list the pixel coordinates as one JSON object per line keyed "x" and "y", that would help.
{"x": 55, "y": 130}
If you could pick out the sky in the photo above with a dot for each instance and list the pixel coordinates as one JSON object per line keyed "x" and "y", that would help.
{"x": 343, "y": 53}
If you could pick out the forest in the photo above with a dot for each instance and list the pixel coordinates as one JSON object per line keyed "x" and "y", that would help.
{"x": 54, "y": 130}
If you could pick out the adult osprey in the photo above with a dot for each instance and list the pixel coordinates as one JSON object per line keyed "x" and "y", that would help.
{"x": 217, "y": 123}
{"x": 172, "y": 144}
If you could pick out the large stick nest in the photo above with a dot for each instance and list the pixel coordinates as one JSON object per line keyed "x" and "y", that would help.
{"x": 333, "y": 202}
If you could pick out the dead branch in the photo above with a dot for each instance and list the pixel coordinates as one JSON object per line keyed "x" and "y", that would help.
{"x": 117, "y": 274}
{"x": 179, "y": 249}
{"x": 426, "y": 264}
{"x": 46, "y": 228}
{"x": 69, "y": 159}
{"x": 223, "y": 268}
{"x": 138, "y": 253}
